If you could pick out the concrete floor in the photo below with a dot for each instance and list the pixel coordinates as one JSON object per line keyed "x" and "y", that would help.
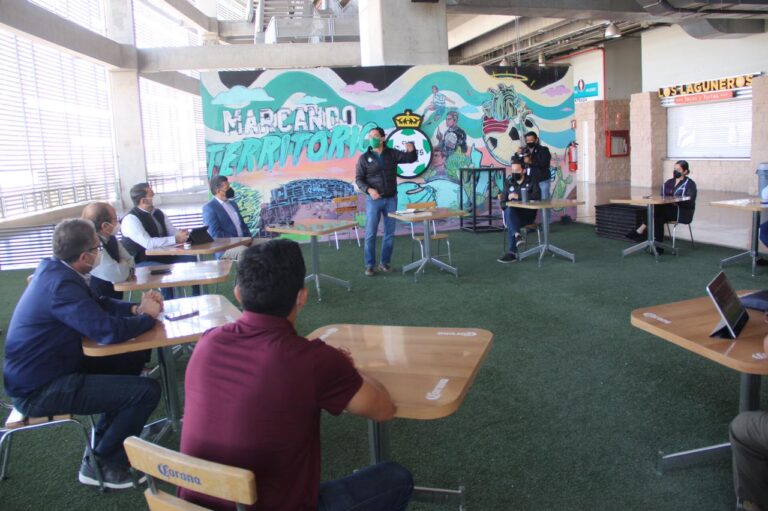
{"x": 720, "y": 226}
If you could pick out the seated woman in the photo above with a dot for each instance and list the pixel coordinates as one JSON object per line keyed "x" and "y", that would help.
{"x": 679, "y": 186}
{"x": 516, "y": 218}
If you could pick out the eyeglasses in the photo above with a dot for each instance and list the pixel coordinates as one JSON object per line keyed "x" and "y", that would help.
{"x": 98, "y": 247}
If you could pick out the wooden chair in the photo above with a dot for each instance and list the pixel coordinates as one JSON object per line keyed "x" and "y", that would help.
{"x": 345, "y": 206}
{"x": 18, "y": 422}
{"x": 222, "y": 481}
{"x": 435, "y": 235}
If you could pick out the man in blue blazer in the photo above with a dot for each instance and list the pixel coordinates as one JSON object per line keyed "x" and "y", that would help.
{"x": 45, "y": 371}
{"x": 223, "y": 217}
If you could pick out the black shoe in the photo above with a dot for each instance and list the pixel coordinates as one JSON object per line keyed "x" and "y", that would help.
{"x": 509, "y": 257}
{"x": 114, "y": 478}
{"x": 761, "y": 262}
{"x": 660, "y": 250}
{"x": 518, "y": 240}
{"x": 634, "y": 235}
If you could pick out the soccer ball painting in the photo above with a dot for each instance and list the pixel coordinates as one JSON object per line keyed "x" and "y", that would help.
{"x": 506, "y": 120}
{"x": 397, "y": 140}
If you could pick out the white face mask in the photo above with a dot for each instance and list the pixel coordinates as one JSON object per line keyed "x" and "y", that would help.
{"x": 157, "y": 200}
{"x": 97, "y": 260}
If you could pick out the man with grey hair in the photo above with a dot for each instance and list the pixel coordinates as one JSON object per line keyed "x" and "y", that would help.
{"x": 45, "y": 371}
{"x": 116, "y": 263}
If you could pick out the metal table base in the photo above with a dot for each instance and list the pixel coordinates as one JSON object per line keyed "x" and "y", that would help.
{"x": 753, "y": 253}
{"x": 545, "y": 247}
{"x": 422, "y": 263}
{"x": 378, "y": 444}
{"x": 650, "y": 244}
{"x": 749, "y": 399}
{"x": 317, "y": 276}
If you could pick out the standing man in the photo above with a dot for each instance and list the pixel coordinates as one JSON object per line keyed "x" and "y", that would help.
{"x": 223, "y": 217}
{"x": 116, "y": 263}
{"x": 145, "y": 227}
{"x": 255, "y": 390}
{"x": 45, "y": 371}
{"x": 376, "y": 176}
{"x": 540, "y": 162}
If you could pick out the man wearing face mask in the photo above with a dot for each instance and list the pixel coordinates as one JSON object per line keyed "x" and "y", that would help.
{"x": 223, "y": 218}
{"x": 145, "y": 226}
{"x": 539, "y": 164}
{"x": 679, "y": 186}
{"x": 45, "y": 371}
{"x": 116, "y": 263}
{"x": 376, "y": 176}
{"x": 517, "y": 184}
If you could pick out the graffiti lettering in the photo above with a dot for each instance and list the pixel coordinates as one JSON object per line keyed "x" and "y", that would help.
{"x": 343, "y": 141}
{"x": 285, "y": 120}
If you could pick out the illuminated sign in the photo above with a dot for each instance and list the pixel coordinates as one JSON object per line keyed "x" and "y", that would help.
{"x": 720, "y": 84}
{"x": 704, "y": 96}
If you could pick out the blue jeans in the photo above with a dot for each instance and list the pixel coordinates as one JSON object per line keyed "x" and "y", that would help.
{"x": 374, "y": 210}
{"x": 544, "y": 187}
{"x": 383, "y": 487}
{"x": 167, "y": 292}
{"x": 516, "y": 219}
{"x": 125, "y": 402}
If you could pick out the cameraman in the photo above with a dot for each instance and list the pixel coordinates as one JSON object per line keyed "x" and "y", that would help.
{"x": 538, "y": 158}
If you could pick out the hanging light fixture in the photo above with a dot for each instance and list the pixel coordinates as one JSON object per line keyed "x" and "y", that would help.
{"x": 542, "y": 62}
{"x": 612, "y": 31}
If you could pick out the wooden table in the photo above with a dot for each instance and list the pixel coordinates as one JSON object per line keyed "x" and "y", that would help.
{"x": 753, "y": 205}
{"x": 215, "y": 310}
{"x": 182, "y": 275}
{"x": 426, "y": 370}
{"x": 315, "y": 227}
{"x": 545, "y": 207}
{"x": 426, "y": 217}
{"x": 217, "y": 245}
{"x": 649, "y": 201}
{"x": 688, "y": 324}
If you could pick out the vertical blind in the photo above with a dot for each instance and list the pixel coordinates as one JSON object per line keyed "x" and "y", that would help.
{"x": 56, "y": 147}
{"x": 173, "y": 125}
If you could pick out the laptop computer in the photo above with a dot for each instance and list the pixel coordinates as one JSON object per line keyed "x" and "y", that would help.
{"x": 199, "y": 235}
{"x": 733, "y": 314}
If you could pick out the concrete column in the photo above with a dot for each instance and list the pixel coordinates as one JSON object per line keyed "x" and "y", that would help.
{"x": 126, "y": 104}
{"x": 759, "y": 124}
{"x": 400, "y": 32}
{"x": 209, "y": 8}
{"x": 648, "y": 139}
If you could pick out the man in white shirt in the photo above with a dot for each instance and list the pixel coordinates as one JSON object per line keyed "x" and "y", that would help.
{"x": 223, "y": 217}
{"x": 145, "y": 226}
{"x": 116, "y": 263}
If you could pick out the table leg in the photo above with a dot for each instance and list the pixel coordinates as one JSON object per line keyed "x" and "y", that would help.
{"x": 167, "y": 364}
{"x": 650, "y": 243}
{"x": 316, "y": 276}
{"x": 421, "y": 264}
{"x": 754, "y": 252}
{"x": 546, "y": 246}
{"x": 749, "y": 399}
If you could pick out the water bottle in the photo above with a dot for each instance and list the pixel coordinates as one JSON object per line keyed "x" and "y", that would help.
{"x": 524, "y": 194}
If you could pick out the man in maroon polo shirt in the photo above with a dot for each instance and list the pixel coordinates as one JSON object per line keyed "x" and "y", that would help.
{"x": 255, "y": 389}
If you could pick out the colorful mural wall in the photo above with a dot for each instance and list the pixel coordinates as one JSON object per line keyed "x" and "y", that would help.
{"x": 289, "y": 140}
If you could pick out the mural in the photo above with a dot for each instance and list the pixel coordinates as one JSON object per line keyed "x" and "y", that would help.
{"x": 289, "y": 140}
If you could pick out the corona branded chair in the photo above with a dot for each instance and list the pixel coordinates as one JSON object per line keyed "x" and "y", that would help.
{"x": 17, "y": 422}
{"x": 221, "y": 481}
{"x": 434, "y": 236}
{"x": 344, "y": 206}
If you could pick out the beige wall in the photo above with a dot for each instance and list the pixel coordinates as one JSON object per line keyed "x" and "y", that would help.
{"x": 759, "y": 124}
{"x": 648, "y": 139}
{"x": 598, "y": 167}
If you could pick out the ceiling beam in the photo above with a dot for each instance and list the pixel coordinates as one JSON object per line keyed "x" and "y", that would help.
{"x": 193, "y": 15}
{"x": 175, "y": 80}
{"x": 29, "y": 20}
{"x": 570, "y": 9}
{"x": 272, "y": 56}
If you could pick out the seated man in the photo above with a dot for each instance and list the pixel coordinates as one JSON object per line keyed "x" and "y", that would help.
{"x": 116, "y": 263}
{"x": 45, "y": 370}
{"x": 680, "y": 185}
{"x": 749, "y": 443}
{"x": 223, "y": 218}
{"x": 254, "y": 391}
{"x": 517, "y": 183}
{"x": 145, "y": 227}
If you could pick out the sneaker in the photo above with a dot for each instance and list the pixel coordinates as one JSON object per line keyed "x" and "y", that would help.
{"x": 113, "y": 477}
{"x": 385, "y": 268}
{"x": 369, "y": 271}
{"x": 518, "y": 240}
{"x": 634, "y": 235}
{"x": 509, "y": 257}
{"x": 761, "y": 262}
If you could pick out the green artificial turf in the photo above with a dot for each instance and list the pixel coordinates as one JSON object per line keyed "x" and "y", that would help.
{"x": 568, "y": 412}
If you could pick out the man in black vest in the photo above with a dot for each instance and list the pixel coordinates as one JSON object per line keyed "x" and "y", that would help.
{"x": 145, "y": 227}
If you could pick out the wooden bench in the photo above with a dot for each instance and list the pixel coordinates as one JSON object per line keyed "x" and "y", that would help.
{"x": 17, "y": 419}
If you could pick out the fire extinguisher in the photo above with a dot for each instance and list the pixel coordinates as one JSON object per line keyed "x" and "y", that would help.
{"x": 572, "y": 155}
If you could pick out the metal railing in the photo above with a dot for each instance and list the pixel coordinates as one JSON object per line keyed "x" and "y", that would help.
{"x": 29, "y": 201}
